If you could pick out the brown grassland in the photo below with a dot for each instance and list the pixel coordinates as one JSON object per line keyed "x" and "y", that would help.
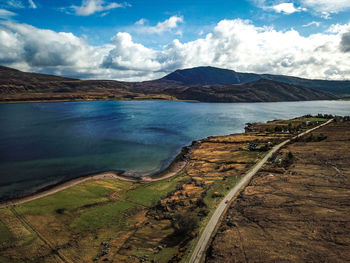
{"x": 296, "y": 209}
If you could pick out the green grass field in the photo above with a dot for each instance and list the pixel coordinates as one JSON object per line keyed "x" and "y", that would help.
{"x": 5, "y": 235}
{"x": 149, "y": 194}
{"x": 86, "y": 213}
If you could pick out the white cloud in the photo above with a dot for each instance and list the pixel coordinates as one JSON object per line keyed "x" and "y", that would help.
{"x": 327, "y": 6}
{"x": 161, "y": 27}
{"x": 235, "y": 44}
{"x": 241, "y": 46}
{"x": 32, "y": 4}
{"x": 287, "y": 8}
{"x": 127, "y": 55}
{"x": 142, "y": 21}
{"x": 89, "y": 7}
{"x": 15, "y": 3}
{"x": 5, "y": 14}
{"x": 339, "y": 28}
{"x": 38, "y": 48}
{"x": 323, "y": 8}
{"x": 313, "y": 23}
{"x": 19, "y": 4}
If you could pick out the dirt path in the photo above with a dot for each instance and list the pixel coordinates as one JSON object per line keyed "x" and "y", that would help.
{"x": 210, "y": 227}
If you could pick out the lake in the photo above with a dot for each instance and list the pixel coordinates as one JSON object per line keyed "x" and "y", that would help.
{"x": 45, "y": 143}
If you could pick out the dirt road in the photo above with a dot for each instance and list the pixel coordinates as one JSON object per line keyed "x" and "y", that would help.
{"x": 206, "y": 234}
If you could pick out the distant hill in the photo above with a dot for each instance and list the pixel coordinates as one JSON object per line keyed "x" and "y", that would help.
{"x": 16, "y": 85}
{"x": 210, "y": 76}
{"x": 216, "y": 76}
{"x": 200, "y": 84}
{"x": 262, "y": 90}
{"x": 332, "y": 86}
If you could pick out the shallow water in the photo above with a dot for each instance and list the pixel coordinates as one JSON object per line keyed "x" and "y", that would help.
{"x": 45, "y": 143}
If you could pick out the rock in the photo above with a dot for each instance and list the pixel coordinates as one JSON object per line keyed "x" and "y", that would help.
{"x": 160, "y": 247}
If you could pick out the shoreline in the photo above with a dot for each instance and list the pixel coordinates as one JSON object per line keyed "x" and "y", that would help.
{"x": 178, "y": 163}
{"x": 176, "y": 166}
{"x": 155, "y": 99}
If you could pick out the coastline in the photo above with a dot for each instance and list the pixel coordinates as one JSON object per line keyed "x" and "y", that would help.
{"x": 80, "y": 100}
{"x": 114, "y": 219}
{"x": 154, "y": 99}
{"x": 177, "y": 165}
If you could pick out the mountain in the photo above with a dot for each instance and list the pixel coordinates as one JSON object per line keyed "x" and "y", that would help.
{"x": 262, "y": 90}
{"x": 209, "y": 76}
{"x": 16, "y": 85}
{"x": 200, "y": 84}
{"x": 216, "y": 76}
{"x": 336, "y": 87}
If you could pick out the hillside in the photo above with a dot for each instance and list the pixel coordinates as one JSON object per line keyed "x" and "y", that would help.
{"x": 209, "y": 76}
{"x": 258, "y": 91}
{"x": 16, "y": 85}
{"x": 215, "y": 76}
{"x": 333, "y": 86}
{"x": 199, "y": 84}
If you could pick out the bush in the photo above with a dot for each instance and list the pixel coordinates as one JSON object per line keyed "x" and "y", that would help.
{"x": 184, "y": 224}
{"x": 278, "y": 129}
{"x": 60, "y": 210}
{"x": 288, "y": 160}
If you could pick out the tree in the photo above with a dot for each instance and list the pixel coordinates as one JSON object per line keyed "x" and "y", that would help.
{"x": 184, "y": 223}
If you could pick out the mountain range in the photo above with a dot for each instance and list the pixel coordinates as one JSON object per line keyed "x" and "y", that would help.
{"x": 207, "y": 84}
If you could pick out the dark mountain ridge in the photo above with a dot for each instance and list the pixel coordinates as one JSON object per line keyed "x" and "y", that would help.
{"x": 200, "y": 84}
{"x": 262, "y": 90}
{"x": 216, "y": 76}
{"x": 210, "y": 76}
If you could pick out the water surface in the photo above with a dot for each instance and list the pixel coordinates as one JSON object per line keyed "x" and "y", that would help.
{"x": 46, "y": 143}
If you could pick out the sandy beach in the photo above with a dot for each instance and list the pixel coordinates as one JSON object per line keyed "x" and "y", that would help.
{"x": 177, "y": 165}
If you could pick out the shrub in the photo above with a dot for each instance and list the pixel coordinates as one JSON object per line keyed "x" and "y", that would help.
{"x": 184, "y": 224}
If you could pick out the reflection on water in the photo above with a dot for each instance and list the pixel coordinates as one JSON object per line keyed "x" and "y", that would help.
{"x": 45, "y": 143}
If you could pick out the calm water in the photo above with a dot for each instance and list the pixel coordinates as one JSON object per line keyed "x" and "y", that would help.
{"x": 45, "y": 143}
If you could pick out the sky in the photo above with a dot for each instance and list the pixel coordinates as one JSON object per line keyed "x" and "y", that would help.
{"x": 135, "y": 40}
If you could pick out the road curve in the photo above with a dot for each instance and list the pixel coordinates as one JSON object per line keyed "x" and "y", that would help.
{"x": 205, "y": 236}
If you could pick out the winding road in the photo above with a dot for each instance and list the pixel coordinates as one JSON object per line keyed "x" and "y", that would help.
{"x": 209, "y": 229}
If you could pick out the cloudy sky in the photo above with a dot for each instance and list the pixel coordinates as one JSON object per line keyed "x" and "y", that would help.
{"x": 141, "y": 40}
